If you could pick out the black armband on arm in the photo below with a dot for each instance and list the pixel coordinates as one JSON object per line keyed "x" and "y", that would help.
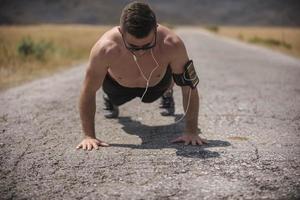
{"x": 188, "y": 77}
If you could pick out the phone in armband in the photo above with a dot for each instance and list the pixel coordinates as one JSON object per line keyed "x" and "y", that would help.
{"x": 190, "y": 74}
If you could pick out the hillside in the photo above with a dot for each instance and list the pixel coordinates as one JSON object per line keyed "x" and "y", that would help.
{"x": 200, "y": 12}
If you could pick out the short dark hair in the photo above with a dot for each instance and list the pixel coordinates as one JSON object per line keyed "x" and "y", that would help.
{"x": 138, "y": 19}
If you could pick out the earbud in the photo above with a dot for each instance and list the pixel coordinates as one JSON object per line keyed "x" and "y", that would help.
{"x": 134, "y": 58}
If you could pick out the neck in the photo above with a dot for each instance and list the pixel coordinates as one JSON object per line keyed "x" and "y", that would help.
{"x": 139, "y": 55}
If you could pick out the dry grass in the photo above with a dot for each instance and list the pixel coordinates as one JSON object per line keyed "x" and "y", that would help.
{"x": 71, "y": 44}
{"x": 66, "y": 46}
{"x": 286, "y": 40}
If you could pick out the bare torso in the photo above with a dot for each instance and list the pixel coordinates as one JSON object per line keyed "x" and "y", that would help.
{"x": 123, "y": 68}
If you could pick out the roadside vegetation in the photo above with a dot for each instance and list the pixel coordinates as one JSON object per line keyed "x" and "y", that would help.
{"x": 212, "y": 28}
{"x": 30, "y": 52}
{"x": 284, "y": 39}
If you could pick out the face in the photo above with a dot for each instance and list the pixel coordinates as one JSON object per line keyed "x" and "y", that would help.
{"x": 139, "y": 45}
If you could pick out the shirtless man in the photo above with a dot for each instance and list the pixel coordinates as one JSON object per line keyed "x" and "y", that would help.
{"x": 127, "y": 59}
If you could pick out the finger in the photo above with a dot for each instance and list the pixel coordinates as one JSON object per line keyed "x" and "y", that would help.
{"x": 193, "y": 142}
{"x": 205, "y": 141}
{"x": 79, "y": 146}
{"x": 89, "y": 147}
{"x": 103, "y": 144}
{"x": 179, "y": 139}
{"x": 84, "y": 146}
{"x": 95, "y": 145}
{"x": 98, "y": 141}
{"x": 187, "y": 142}
{"x": 199, "y": 141}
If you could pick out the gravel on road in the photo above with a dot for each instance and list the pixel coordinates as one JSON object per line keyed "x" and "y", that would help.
{"x": 249, "y": 112}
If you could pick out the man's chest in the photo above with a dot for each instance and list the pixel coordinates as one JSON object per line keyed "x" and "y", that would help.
{"x": 132, "y": 72}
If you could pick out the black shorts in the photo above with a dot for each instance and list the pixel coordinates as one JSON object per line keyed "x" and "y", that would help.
{"x": 119, "y": 94}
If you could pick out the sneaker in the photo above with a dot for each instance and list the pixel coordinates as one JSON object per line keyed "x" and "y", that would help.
{"x": 111, "y": 110}
{"x": 167, "y": 103}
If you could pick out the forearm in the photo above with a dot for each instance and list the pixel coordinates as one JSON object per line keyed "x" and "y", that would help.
{"x": 87, "y": 107}
{"x": 191, "y": 118}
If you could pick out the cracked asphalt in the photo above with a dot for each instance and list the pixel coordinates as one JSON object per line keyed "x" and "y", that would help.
{"x": 249, "y": 112}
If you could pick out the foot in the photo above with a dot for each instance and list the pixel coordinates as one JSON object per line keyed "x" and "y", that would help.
{"x": 167, "y": 103}
{"x": 111, "y": 111}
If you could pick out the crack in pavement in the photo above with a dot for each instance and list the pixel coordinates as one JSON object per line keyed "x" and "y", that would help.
{"x": 239, "y": 95}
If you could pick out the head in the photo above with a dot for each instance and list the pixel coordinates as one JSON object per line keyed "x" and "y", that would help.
{"x": 138, "y": 26}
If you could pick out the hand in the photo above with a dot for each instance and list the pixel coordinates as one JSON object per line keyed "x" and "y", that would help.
{"x": 90, "y": 143}
{"x": 189, "y": 138}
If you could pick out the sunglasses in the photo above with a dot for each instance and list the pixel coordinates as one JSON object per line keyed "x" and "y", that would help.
{"x": 132, "y": 47}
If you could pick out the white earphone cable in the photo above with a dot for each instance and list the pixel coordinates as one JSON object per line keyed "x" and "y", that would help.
{"x": 148, "y": 80}
{"x": 187, "y": 107}
{"x": 143, "y": 75}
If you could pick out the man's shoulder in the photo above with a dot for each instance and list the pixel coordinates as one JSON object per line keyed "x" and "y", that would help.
{"x": 170, "y": 38}
{"x": 172, "y": 43}
{"x": 108, "y": 45}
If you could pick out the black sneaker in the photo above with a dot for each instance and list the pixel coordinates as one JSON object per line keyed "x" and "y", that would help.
{"x": 167, "y": 103}
{"x": 111, "y": 111}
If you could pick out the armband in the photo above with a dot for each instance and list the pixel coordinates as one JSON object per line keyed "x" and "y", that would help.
{"x": 188, "y": 77}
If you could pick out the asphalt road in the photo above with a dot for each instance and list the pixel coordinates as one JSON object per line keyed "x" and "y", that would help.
{"x": 250, "y": 113}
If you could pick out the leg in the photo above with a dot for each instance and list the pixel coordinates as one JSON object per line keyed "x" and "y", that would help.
{"x": 112, "y": 111}
{"x": 114, "y": 95}
{"x": 112, "y": 103}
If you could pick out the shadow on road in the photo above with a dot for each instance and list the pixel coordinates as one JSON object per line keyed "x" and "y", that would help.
{"x": 159, "y": 137}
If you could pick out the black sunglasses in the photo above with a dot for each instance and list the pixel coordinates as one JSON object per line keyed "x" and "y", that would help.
{"x": 144, "y": 47}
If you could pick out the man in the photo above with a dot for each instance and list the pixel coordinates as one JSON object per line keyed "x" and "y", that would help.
{"x": 137, "y": 59}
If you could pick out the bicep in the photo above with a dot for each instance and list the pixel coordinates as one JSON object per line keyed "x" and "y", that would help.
{"x": 179, "y": 56}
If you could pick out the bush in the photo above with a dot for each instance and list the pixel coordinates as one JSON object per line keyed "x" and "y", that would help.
{"x": 213, "y": 28}
{"x": 27, "y": 47}
{"x": 270, "y": 41}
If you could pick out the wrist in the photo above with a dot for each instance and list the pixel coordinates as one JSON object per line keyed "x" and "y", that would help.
{"x": 89, "y": 137}
{"x": 191, "y": 131}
